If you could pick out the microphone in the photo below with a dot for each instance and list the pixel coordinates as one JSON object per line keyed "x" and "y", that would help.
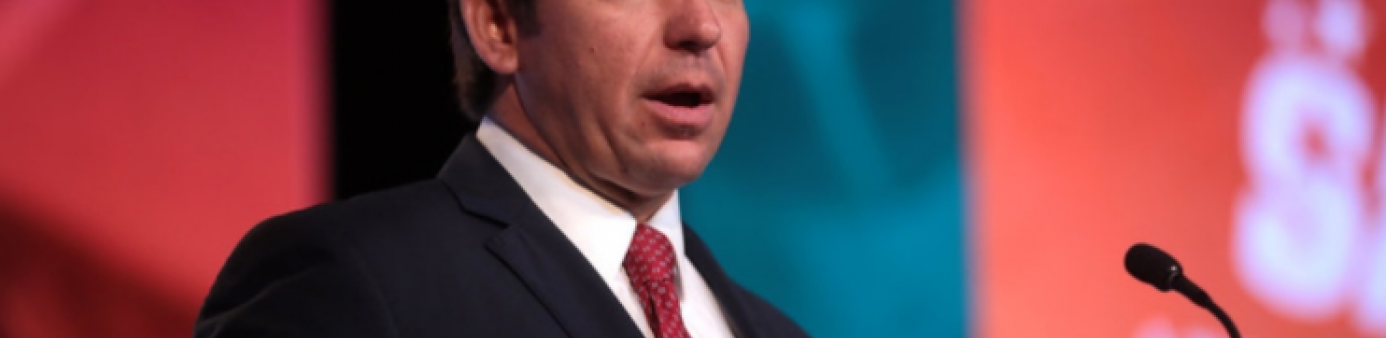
{"x": 1157, "y": 268}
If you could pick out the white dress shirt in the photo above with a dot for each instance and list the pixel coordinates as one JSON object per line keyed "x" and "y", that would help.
{"x": 602, "y": 232}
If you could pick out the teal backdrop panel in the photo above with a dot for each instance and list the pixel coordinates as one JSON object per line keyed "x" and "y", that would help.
{"x": 838, "y": 192}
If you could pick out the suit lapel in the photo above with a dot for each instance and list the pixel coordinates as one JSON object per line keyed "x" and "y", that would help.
{"x": 539, "y": 254}
{"x": 729, "y": 295}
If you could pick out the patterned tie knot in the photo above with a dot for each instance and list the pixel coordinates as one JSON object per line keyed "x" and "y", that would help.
{"x": 650, "y": 257}
{"x": 650, "y": 266}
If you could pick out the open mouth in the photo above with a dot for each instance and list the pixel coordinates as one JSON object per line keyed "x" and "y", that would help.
{"x": 684, "y": 96}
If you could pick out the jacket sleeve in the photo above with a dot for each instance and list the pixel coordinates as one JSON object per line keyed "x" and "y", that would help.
{"x": 290, "y": 277}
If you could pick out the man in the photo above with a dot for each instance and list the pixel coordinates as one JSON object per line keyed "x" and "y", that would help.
{"x": 558, "y": 217}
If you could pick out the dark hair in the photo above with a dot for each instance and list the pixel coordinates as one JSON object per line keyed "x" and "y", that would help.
{"x": 475, "y": 81}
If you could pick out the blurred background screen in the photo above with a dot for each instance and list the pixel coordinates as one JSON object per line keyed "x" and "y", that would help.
{"x": 1245, "y": 137}
{"x": 896, "y": 168}
{"x": 139, "y": 140}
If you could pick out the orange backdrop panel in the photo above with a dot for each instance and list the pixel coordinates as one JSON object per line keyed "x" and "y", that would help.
{"x": 1097, "y": 124}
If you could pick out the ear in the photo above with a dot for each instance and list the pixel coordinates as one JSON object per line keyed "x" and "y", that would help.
{"x": 492, "y": 31}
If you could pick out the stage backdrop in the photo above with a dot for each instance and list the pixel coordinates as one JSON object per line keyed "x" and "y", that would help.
{"x": 1245, "y": 137}
{"x": 837, "y": 194}
{"x": 139, "y": 139}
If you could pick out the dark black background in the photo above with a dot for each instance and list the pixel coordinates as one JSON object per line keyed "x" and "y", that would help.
{"x": 394, "y": 114}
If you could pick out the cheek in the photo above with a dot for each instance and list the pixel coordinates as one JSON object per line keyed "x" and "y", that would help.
{"x": 734, "y": 57}
{"x": 732, "y": 49}
{"x": 586, "y": 88}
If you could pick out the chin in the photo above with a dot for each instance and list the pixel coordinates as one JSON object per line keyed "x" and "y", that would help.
{"x": 671, "y": 173}
{"x": 667, "y": 165}
{"x": 681, "y": 175}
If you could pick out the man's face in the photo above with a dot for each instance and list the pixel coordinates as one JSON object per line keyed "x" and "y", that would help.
{"x": 633, "y": 93}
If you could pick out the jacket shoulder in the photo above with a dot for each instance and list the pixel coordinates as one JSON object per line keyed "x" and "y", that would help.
{"x": 399, "y": 216}
{"x": 404, "y": 204}
{"x": 336, "y": 257}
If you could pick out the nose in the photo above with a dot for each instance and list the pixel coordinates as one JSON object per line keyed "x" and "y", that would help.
{"x": 693, "y": 26}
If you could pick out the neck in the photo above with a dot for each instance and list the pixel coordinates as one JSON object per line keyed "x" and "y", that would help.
{"x": 510, "y": 115}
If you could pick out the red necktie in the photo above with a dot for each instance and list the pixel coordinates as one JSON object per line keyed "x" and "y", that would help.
{"x": 650, "y": 264}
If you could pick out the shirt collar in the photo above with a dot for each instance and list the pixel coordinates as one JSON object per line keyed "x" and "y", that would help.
{"x": 600, "y": 230}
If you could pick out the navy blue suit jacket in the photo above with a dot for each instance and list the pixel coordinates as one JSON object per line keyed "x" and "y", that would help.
{"x": 464, "y": 255}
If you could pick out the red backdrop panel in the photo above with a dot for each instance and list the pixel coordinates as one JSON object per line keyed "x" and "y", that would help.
{"x": 1242, "y": 136}
{"x": 138, "y": 140}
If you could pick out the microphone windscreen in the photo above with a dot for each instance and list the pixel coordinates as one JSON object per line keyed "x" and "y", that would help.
{"x": 1152, "y": 266}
